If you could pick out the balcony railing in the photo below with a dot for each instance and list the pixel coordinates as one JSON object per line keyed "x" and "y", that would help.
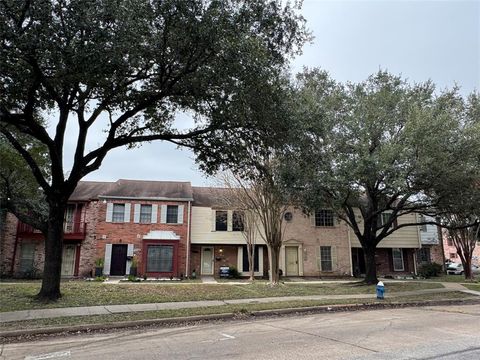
{"x": 69, "y": 228}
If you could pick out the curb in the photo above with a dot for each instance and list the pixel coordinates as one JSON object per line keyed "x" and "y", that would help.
{"x": 188, "y": 320}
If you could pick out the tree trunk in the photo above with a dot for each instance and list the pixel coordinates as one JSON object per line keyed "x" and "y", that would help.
{"x": 370, "y": 266}
{"x": 251, "y": 260}
{"x": 467, "y": 267}
{"x": 50, "y": 290}
{"x": 273, "y": 257}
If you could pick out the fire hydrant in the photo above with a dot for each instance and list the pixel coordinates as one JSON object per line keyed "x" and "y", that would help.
{"x": 380, "y": 290}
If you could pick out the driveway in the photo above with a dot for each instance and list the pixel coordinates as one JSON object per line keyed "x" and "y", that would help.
{"x": 451, "y": 332}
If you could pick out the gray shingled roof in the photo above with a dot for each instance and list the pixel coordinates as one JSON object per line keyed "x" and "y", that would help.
{"x": 87, "y": 190}
{"x": 210, "y": 196}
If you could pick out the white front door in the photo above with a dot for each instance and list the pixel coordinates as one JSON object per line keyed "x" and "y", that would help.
{"x": 68, "y": 260}
{"x": 207, "y": 261}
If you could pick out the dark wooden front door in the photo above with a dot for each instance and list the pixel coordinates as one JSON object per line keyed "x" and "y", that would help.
{"x": 119, "y": 260}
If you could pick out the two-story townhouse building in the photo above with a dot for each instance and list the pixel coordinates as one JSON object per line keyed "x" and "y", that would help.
{"x": 432, "y": 246}
{"x": 450, "y": 251}
{"x": 217, "y": 239}
{"x": 318, "y": 244}
{"x": 146, "y": 220}
{"x": 396, "y": 254}
{"x": 22, "y": 247}
{"x": 315, "y": 244}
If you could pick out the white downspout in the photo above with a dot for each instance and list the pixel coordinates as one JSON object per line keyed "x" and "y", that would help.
{"x": 187, "y": 263}
{"x": 350, "y": 251}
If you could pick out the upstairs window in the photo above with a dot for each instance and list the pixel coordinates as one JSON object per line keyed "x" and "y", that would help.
{"x": 118, "y": 214}
{"x": 237, "y": 221}
{"x": 324, "y": 217}
{"x": 423, "y": 227}
{"x": 172, "y": 214}
{"x": 221, "y": 218}
{"x": 145, "y": 214}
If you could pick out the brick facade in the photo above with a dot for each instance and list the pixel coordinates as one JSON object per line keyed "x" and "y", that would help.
{"x": 133, "y": 233}
{"x": 451, "y": 251}
{"x": 384, "y": 262}
{"x": 301, "y": 230}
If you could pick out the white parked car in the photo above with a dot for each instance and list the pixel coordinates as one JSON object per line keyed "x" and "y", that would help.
{"x": 457, "y": 269}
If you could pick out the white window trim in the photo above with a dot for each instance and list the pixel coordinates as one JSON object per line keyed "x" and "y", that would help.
{"x": 240, "y": 262}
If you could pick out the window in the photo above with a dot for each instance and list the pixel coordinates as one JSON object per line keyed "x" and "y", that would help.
{"x": 423, "y": 227}
{"x": 237, "y": 221}
{"x": 27, "y": 257}
{"x": 397, "y": 255}
{"x": 68, "y": 221}
{"x": 326, "y": 258}
{"x": 383, "y": 218}
{"x": 118, "y": 213}
{"x": 288, "y": 216}
{"x": 145, "y": 214}
{"x": 324, "y": 217}
{"x": 449, "y": 241}
{"x": 221, "y": 220}
{"x": 424, "y": 255}
{"x": 172, "y": 214}
{"x": 160, "y": 258}
{"x": 453, "y": 255}
{"x": 256, "y": 258}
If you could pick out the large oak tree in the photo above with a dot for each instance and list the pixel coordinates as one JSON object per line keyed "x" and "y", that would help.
{"x": 132, "y": 66}
{"x": 374, "y": 151}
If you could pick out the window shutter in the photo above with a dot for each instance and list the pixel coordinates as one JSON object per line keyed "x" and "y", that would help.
{"x": 126, "y": 217}
{"x": 214, "y": 219}
{"x": 154, "y": 214}
{"x": 312, "y": 220}
{"x": 180, "y": 214}
{"x": 107, "y": 260}
{"x": 163, "y": 214}
{"x": 130, "y": 250}
{"x": 109, "y": 212}
{"x": 333, "y": 254}
{"x": 136, "y": 213}
{"x": 319, "y": 261}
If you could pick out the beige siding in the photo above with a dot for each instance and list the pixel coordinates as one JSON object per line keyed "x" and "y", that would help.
{"x": 202, "y": 229}
{"x": 407, "y": 237}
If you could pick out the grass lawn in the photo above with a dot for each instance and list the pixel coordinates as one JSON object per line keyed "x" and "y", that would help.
{"x": 20, "y": 296}
{"x": 453, "y": 278}
{"x": 238, "y": 308}
{"x": 475, "y": 287}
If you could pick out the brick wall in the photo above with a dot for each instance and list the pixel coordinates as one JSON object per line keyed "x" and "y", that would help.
{"x": 451, "y": 251}
{"x": 132, "y": 233}
{"x": 300, "y": 229}
{"x": 88, "y": 247}
{"x": 8, "y": 232}
{"x": 383, "y": 259}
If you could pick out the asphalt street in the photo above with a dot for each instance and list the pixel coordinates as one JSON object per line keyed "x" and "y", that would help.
{"x": 449, "y": 332}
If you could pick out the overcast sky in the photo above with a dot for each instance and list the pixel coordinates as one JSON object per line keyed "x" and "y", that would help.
{"x": 421, "y": 40}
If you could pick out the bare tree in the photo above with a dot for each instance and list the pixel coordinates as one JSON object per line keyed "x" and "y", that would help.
{"x": 464, "y": 231}
{"x": 262, "y": 196}
{"x": 235, "y": 197}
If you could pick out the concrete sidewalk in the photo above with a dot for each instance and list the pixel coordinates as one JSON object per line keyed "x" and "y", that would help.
{"x": 114, "y": 309}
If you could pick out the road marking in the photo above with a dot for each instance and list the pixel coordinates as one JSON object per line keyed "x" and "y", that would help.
{"x": 227, "y": 337}
{"x": 50, "y": 355}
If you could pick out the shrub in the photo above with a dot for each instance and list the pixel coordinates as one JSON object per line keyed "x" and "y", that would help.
{"x": 99, "y": 262}
{"x": 234, "y": 274}
{"x": 133, "y": 278}
{"x": 430, "y": 270}
{"x": 100, "y": 278}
